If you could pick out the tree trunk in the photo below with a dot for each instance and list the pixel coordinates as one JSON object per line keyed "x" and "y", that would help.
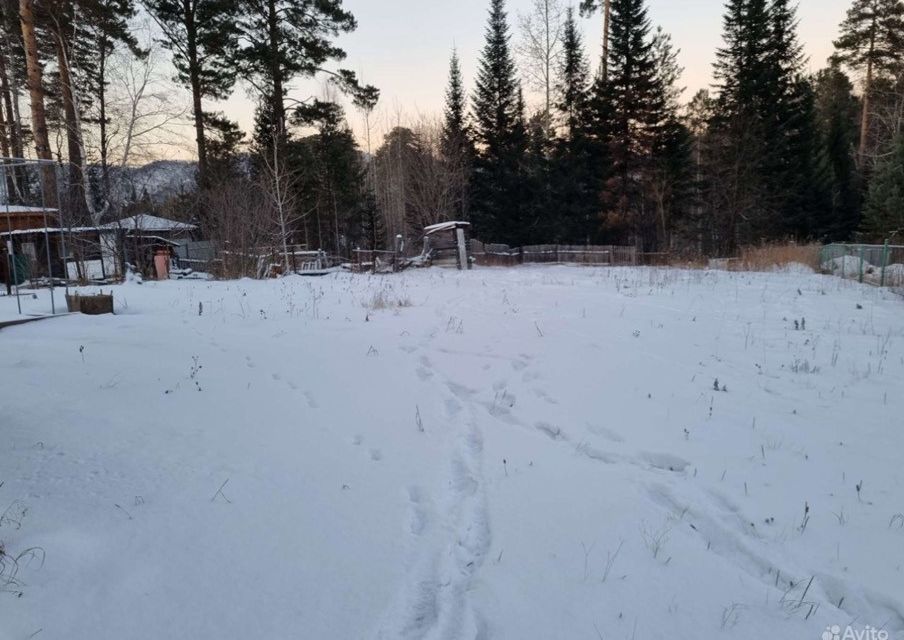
{"x": 279, "y": 107}
{"x": 11, "y": 100}
{"x": 194, "y": 72}
{"x": 548, "y": 68}
{"x": 35, "y": 82}
{"x": 607, "y": 13}
{"x": 10, "y": 108}
{"x": 78, "y": 192}
{"x": 7, "y": 116}
{"x": 101, "y": 80}
{"x": 865, "y": 116}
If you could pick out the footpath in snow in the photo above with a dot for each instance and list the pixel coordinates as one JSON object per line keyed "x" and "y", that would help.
{"x": 533, "y": 453}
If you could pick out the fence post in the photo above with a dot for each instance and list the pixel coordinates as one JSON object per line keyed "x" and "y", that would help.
{"x": 861, "y": 264}
{"x": 884, "y": 263}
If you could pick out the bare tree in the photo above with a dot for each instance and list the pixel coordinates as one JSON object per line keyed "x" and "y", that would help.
{"x": 143, "y": 118}
{"x": 280, "y": 184}
{"x": 235, "y": 217}
{"x": 540, "y": 47}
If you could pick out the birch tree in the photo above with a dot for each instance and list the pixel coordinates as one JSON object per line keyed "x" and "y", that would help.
{"x": 540, "y": 48}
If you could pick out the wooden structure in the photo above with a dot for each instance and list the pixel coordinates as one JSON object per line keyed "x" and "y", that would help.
{"x": 446, "y": 245}
{"x": 146, "y": 242}
{"x": 504, "y": 256}
{"x": 29, "y": 243}
{"x": 95, "y": 305}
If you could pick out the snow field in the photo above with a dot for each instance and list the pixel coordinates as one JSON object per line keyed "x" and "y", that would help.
{"x": 526, "y": 453}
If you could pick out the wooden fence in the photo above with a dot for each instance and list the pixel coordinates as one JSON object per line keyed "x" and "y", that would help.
{"x": 500, "y": 255}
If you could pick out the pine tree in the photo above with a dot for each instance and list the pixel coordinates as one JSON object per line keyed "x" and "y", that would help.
{"x": 224, "y": 158}
{"x": 884, "y": 208}
{"x": 331, "y": 183}
{"x": 589, "y": 7}
{"x": 285, "y": 39}
{"x": 203, "y": 38}
{"x": 36, "y": 90}
{"x": 500, "y": 134}
{"x": 872, "y": 41}
{"x": 107, "y": 33}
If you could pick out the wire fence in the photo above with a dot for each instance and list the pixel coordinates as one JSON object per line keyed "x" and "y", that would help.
{"x": 31, "y": 225}
{"x": 877, "y": 264}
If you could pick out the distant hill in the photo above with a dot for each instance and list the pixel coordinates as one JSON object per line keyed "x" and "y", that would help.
{"x": 160, "y": 180}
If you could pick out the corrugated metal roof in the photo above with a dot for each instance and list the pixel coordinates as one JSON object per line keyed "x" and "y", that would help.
{"x": 21, "y": 208}
{"x": 147, "y": 222}
{"x": 444, "y": 226}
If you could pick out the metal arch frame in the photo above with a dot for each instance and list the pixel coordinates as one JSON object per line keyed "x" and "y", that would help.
{"x": 7, "y": 163}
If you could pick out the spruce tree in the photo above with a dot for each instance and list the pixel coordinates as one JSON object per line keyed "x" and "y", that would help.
{"x": 573, "y": 82}
{"x": 837, "y": 111}
{"x": 575, "y": 172}
{"x": 455, "y": 126}
{"x": 871, "y": 41}
{"x": 764, "y": 154}
{"x": 455, "y": 145}
{"x": 737, "y": 155}
{"x": 669, "y": 185}
{"x": 634, "y": 109}
{"x": 742, "y": 64}
{"x": 792, "y": 137}
{"x": 884, "y": 208}
{"x": 540, "y": 213}
{"x": 499, "y": 131}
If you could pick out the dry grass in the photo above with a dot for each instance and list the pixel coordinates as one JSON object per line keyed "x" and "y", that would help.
{"x": 383, "y": 299}
{"x": 773, "y": 256}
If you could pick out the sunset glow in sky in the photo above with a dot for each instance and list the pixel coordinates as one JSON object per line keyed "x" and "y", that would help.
{"x": 403, "y": 47}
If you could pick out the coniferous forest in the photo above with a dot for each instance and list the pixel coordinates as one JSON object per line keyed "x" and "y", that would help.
{"x": 555, "y": 140}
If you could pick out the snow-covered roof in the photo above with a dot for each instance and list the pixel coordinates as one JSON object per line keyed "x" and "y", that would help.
{"x": 50, "y": 230}
{"x": 444, "y": 226}
{"x": 147, "y": 222}
{"x": 21, "y": 208}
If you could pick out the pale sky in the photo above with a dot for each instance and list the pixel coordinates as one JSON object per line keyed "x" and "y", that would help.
{"x": 403, "y": 47}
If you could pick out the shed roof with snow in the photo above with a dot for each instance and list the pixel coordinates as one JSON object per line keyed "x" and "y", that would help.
{"x": 147, "y": 222}
{"x": 445, "y": 226}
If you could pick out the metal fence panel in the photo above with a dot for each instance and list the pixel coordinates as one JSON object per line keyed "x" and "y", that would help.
{"x": 877, "y": 264}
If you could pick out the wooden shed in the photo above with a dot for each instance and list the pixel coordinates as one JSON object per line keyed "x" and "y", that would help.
{"x": 446, "y": 244}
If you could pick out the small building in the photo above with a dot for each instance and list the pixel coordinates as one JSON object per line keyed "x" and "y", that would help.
{"x": 146, "y": 242}
{"x": 446, "y": 244}
{"x": 28, "y": 234}
{"x": 40, "y": 247}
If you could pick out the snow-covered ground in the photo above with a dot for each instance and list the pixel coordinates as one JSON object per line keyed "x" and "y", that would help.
{"x": 535, "y": 453}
